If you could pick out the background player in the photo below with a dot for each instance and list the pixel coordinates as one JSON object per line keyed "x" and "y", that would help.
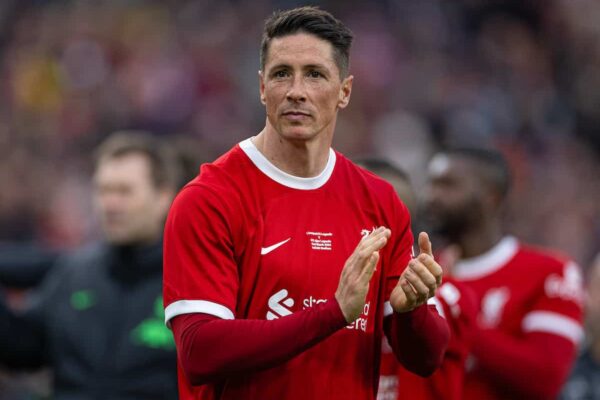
{"x": 529, "y": 323}
{"x": 277, "y": 280}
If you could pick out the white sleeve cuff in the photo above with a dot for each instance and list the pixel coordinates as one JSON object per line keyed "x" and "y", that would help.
{"x": 196, "y": 306}
{"x": 553, "y": 323}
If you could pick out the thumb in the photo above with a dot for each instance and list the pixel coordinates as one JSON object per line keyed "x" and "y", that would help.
{"x": 425, "y": 244}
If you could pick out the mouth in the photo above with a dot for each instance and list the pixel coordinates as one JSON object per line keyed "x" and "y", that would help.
{"x": 296, "y": 114}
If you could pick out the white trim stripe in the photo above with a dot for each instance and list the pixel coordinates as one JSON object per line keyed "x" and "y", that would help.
{"x": 438, "y": 306}
{"x": 387, "y": 309}
{"x": 489, "y": 262}
{"x": 197, "y": 306}
{"x": 551, "y": 322}
{"x": 283, "y": 178}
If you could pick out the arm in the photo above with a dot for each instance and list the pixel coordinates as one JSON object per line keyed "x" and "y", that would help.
{"x": 536, "y": 363}
{"x": 211, "y": 348}
{"x": 419, "y": 338}
{"x": 200, "y": 270}
{"x": 534, "y": 366}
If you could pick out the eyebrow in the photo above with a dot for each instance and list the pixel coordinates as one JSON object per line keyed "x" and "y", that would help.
{"x": 308, "y": 66}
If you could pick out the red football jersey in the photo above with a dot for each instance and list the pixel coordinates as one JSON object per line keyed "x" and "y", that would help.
{"x": 458, "y": 305}
{"x": 521, "y": 291}
{"x": 246, "y": 240}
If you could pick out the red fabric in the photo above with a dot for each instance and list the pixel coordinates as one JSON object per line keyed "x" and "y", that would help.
{"x": 418, "y": 338}
{"x": 220, "y": 260}
{"x": 459, "y": 307}
{"x": 534, "y": 367}
{"x": 529, "y": 321}
{"x": 212, "y": 349}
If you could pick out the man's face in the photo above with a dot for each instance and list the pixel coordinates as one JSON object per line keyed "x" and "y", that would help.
{"x": 301, "y": 87}
{"x": 130, "y": 206}
{"x": 453, "y": 198}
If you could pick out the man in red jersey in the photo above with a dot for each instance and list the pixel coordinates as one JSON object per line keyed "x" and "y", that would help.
{"x": 529, "y": 320}
{"x": 284, "y": 262}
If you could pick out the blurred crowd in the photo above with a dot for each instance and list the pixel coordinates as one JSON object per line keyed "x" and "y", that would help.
{"x": 522, "y": 76}
{"x": 519, "y": 76}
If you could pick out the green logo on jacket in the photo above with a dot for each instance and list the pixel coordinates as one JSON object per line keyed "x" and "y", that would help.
{"x": 83, "y": 299}
{"x": 152, "y": 332}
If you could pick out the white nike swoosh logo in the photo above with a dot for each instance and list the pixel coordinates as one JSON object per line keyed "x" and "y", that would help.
{"x": 267, "y": 250}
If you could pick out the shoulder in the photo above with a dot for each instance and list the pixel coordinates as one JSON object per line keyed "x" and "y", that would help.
{"x": 218, "y": 184}
{"x": 545, "y": 261}
{"x": 363, "y": 176}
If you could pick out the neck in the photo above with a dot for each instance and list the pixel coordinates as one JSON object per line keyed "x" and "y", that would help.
{"x": 301, "y": 158}
{"x": 478, "y": 241}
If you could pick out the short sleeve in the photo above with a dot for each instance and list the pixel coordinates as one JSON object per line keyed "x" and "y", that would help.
{"x": 558, "y": 311}
{"x": 401, "y": 247}
{"x": 200, "y": 272}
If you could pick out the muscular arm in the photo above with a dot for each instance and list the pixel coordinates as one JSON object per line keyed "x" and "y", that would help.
{"x": 534, "y": 367}
{"x": 210, "y": 348}
{"x": 419, "y": 338}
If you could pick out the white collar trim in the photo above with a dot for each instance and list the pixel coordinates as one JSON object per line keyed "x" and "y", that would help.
{"x": 489, "y": 262}
{"x": 283, "y": 178}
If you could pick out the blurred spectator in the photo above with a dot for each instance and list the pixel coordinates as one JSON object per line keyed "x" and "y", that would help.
{"x": 584, "y": 382}
{"x": 97, "y": 320}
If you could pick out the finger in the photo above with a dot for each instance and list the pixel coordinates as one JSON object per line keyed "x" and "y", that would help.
{"x": 411, "y": 297}
{"x": 367, "y": 272}
{"x": 428, "y": 278}
{"x": 369, "y": 245}
{"x": 425, "y": 244}
{"x": 432, "y": 267}
{"x": 422, "y": 291}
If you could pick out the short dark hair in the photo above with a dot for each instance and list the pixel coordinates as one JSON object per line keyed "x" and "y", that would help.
{"x": 491, "y": 165}
{"x": 379, "y": 166}
{"x": 164, "y": 168}
{"x": 314, "y": 21}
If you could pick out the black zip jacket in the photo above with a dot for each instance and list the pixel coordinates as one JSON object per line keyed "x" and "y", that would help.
{"x": 98, "y": 322}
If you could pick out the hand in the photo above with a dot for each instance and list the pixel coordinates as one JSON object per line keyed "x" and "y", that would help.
{"x": 419, "y": 281}
{"x": 358, "y": 270}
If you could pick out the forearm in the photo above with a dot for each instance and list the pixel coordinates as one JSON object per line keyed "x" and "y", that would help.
{"x": 210, "y": 348}
{"x": 534, "y": 367}
{"x": 419, "y": 338}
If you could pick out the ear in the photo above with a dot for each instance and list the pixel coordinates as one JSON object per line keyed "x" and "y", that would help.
{"x": 261, "y": 81}
{"x": 345, "y": 91}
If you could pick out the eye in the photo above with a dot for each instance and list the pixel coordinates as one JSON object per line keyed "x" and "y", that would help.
{"x": 314, "y": 74}
{"x": 280, "y": 74}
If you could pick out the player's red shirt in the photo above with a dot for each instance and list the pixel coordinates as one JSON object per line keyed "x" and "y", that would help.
{"x": 522, "y": 292}
{"x": 246, "y": 240}
{"x": 458, "y": 305}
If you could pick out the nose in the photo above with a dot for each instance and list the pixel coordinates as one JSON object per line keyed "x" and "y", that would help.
{"x": 297, "y": 92}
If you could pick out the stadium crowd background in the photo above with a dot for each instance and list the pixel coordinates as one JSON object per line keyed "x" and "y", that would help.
{"x": 521, "y": 76}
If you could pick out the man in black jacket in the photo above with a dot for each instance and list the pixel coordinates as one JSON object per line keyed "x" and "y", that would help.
{"x": 97, "y": 320}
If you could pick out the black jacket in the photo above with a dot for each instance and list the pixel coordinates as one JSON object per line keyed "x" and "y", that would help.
{"x": 98, "y": 322}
